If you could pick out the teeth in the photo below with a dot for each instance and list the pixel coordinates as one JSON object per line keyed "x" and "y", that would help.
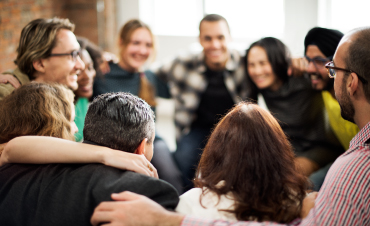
{"x": 314, "y": 77}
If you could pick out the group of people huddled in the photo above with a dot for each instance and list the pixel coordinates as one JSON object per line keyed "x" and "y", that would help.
{"x": 235, "y": 161}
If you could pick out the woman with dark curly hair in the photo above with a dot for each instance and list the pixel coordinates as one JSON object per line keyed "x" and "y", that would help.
{"x": 247, "y": 171}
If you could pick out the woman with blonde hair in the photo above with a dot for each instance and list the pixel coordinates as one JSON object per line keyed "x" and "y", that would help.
{"x": 35, "y": 115}
{"x": 247, "y": 171}
{"x": 136, "y": 48}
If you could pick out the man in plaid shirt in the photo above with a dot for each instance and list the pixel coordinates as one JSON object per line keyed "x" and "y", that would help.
{"x": 204, "y": 87}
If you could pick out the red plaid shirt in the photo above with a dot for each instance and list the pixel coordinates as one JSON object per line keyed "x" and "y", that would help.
{"x": 344, "y": 198}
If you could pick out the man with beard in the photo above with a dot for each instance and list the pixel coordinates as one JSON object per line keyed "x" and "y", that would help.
{"x": 204, "y": 86}
{"x": 320, "y": 44}
{"x": 344, "y": 197}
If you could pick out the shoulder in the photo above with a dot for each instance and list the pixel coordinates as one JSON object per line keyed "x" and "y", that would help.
{"x": 113, "y": 180}
{"x": 5, "y": 90}
{"x": 188, "y": 61}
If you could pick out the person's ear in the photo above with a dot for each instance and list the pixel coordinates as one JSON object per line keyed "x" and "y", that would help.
{"x": 141, "y": 149}
{"x": 39, "y": 65}
{"x": 352, "y": 83}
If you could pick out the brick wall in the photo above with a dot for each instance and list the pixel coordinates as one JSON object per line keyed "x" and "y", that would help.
{"x": 15, "y": 14}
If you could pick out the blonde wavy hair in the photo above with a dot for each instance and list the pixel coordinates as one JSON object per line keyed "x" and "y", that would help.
{"x": 37, "y": 40}
{"x": 37, "y": 109}
{"x": 147, "y": 90}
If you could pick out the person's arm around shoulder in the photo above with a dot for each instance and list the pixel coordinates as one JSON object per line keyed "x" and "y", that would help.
{"x": 8, "y": 78}
{"x": 133, "y": 209}
{"x": 45, "y": 150}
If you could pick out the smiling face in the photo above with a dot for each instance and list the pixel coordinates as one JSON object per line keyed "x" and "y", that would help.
{"x": 61, "y": 69}
{"x": 318, "y": 73}
{"x": 137, "y": 51}
{"x": 86, "y": 77}
{"x": 214, "y": 37}
{"x": 260, "y": 70}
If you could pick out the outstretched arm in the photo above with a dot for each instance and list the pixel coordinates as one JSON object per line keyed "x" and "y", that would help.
{"x": 44, "y": 150}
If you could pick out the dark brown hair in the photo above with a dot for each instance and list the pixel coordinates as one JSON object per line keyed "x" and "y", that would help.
{"x": 95, "y": 52}
{"x": 357, "y": 58}
{"x": 250, "y": 152}
{"x": 214, "y": 18}
{"x": 37, "y": 109}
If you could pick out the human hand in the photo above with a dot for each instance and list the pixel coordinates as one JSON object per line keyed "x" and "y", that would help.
{"x": 6, "y": 78}
{"x": 129, "y": 161}
{"x": 298, "y": 67}
{"x": 107, "y": 58}
{"x": 308, "y": 203}
{"x": 133, "y": 209}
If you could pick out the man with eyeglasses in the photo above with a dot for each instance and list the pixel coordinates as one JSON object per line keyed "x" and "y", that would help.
{"x": 320, "y": 45}
{"x": 344, "y": 197}
{"x": 48, "y": 52}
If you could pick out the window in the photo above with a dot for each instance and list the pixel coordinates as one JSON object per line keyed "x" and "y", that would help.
{"x": 247, "y": 18}
{"x": 344, "y": 15}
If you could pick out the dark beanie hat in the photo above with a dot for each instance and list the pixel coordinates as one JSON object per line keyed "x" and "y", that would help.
{"x": 326, "y": 40}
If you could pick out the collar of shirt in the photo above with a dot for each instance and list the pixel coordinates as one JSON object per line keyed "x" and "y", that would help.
{"x": 360, "y": 138}
{"x": 231, "y": 65}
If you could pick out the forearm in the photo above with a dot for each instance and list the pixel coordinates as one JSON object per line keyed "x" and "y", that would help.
{"x": 46, "y": 150}
{"x": 41, "y": 150}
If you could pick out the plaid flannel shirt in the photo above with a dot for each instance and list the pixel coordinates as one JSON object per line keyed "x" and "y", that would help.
{"x": 187, "y": 82}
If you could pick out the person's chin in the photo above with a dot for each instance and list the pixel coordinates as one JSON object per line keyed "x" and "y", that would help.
{"x": 84, "y": 94}
{"x": 317, "y": 84}
{"x": 73, "y": 86}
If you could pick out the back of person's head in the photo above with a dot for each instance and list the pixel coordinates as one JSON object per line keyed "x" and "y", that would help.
{"x": 37, "y": 109}
{"x": 249, "y": 151}
{"x": 37, "y": 40}
{"x": 277, "y": 53}
{"x": 213, "y": 18}
{"x": 325, "y": 39}
{"x": 358, "y": 56}
{"x": 120, "y": 121}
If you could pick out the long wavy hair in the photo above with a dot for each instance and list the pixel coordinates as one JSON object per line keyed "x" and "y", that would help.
{"x": 249, "y": 151}
{"x": 37, "y": 109}
{"x": 147, "y": 90}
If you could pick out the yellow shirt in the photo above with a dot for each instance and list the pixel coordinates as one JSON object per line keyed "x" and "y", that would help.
{"x": 343, "y": 129}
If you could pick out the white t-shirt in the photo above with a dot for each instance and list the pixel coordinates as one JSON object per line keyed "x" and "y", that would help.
{"x": 190, "y": 205}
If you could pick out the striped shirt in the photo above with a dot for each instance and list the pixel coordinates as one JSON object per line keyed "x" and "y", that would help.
{"x": 344, "y": 198}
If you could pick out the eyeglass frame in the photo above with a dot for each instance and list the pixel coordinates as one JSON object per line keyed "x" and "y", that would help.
{"x": 323, "y": 60}
{"x": 74, "y": 54}
{"x": 329, "y": 67}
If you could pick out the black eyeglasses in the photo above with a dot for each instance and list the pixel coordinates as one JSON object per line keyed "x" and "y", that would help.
{"x": 318, "y": 61}
{"x": 74, "y": 54}
{"x": 332, "y": 73}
